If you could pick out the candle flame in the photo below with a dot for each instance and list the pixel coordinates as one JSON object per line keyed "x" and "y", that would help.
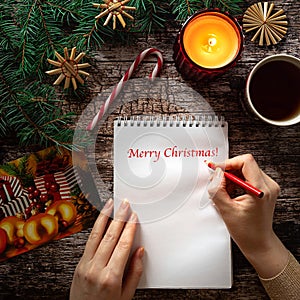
{"x": 212, "y": 41}
{"x": 210, "y": 45}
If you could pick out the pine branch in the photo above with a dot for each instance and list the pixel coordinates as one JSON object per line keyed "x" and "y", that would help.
{"x": 42, "y": 31}
{"x": 20, "y": 171}
{"x": 150, "y": 15}
{"x": 45, "y": 121}
{"x": 231, "y": 6}
{"x": 10, "y": 169}
{"x": 3, "y": 124}
{"x": 182, "y": 9}
{"x": 31, "y": 109}
{"x": 8, "y": 84}
{"x": 89, "y": 33}
{"x": 23, "y": 165}
{"x": 10, "y": 34}
{"x": 33, "y": 112}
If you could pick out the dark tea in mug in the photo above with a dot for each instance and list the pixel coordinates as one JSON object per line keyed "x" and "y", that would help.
{"x": 273, "y": 89}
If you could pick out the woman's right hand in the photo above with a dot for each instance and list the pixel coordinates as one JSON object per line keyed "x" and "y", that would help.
{"x": 248, "y": 218}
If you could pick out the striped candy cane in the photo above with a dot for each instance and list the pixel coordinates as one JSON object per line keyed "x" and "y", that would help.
{"x": 117, "y": 89}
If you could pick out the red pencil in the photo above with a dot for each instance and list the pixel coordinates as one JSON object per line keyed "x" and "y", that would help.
{"x": 247, "y": 186}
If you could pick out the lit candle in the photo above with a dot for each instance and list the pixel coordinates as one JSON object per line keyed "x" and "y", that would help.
{"x": 209, "y": 43}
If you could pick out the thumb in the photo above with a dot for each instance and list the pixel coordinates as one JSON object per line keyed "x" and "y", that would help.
{"x": 134, "y": 274}
{"x": 217, "y": 190}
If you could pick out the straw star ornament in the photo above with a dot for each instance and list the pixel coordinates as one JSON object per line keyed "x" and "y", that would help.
{"x": 270, "y": 27}
{"x": 68, "y": 68}
{"x": 114, "y": 9}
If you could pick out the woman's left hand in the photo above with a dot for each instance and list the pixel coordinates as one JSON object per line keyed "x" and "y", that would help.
{"x": 100, "y": 272}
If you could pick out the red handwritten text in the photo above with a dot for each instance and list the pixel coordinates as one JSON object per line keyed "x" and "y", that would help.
{"x": 171, "y": 152}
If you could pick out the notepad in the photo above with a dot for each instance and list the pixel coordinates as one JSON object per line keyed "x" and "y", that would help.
{"x": 159, "y": 168}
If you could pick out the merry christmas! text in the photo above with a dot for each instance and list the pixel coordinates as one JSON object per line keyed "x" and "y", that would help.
{"x": 171, "y": 152}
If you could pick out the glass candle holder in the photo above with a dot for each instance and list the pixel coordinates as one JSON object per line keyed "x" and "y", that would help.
{"x": 209, "y": 43}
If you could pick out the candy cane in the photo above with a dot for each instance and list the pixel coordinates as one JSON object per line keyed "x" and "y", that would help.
{"x": 117, "y": 89}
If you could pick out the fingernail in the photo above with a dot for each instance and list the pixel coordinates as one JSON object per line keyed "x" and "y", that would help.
{"x": 133, "y": 218}
{"x": 124, "y": 205}
{"x": 108, "y": 205}
{"x": 141, "y": 252}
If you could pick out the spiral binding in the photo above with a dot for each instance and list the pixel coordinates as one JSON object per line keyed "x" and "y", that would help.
{"x": 172, "y": 121}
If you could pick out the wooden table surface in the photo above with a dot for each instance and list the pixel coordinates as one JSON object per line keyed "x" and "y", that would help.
{"x": 46, "y": 272}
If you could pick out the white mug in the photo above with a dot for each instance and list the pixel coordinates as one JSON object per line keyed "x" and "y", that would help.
{"x": 273, "y": 90}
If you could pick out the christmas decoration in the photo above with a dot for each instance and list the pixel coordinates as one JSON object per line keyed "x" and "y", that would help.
{"x": 114, "y": 9}
{"x": 270, "y": 28}
{"x": 40, "y": 228}
{"x": 6, "y": 192}
{"x": 69, "y": 68}
{"x": 64, "y": 211}
{"x": 51, "y": 205}
{"x": 12, "y": 197}
{"x": 39, "y": 202}
{"x": 13, "y": 227}
{"x": 117, "y": 89}
{"x": 10, "y": 188}
{"x": 81, "y": 203}
{"x": 30, "y": 34}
